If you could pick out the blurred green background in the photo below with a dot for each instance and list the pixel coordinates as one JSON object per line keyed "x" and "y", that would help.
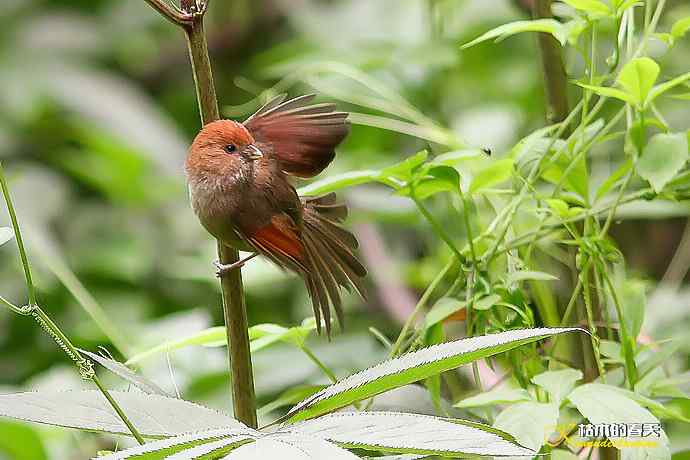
{"x": 97, "y": 109}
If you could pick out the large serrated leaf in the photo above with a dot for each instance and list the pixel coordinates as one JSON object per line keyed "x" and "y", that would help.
{"x": 288, "y": 446}
{"x": 188, "y": 442}
{"x": 154, "y": 416}
{"x": 410, "y": 434}
{"x": 127, "y": 374}
{"x": 413, "y": 367}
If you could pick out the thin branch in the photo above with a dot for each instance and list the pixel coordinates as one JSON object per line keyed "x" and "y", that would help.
{"x": 170, "y": 13}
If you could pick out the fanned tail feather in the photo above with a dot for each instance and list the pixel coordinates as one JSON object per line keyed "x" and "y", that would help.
{"x": 330, "y": 254}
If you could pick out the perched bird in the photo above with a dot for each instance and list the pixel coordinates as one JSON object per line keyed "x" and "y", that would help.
{"x": 238, "y": 176}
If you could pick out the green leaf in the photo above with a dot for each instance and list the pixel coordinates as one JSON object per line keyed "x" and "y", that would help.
{"x": 188, "y": 446}
{"x": 289, "y": 445}
{"x": 436, "y": 179}
{"x": 6, "y": 234}
{"x": 494, "y": 397}
{"x": 413, "y": 367}
{"x": 611, "y": 350}
{"x": 154, "y": 416}
{"x": 596, "y": 7}
{"x": 613, "y": 179}
{"x": 610, "y": 92}
{"x": 530, "y": 422}
{"x": 558, "y": 384}
{"x": 562, "y": 454}
{"x": 660, "y": 89}
{"x": 339, "y": 181}
{"x": 404, "y": 170}
{"x": 633, "y": 302}
{"x": 20, "y": 442}
{"x": 663, "y": 157}
{"x": 680, "y": 27}
{"x": 601, "y": 403}
{"x": 211, "y": 335}
{"x": 442, "y": 309}
{"x": 550, "y": 26}
{"x": 392, "y": 432}
{"x": 497, "y": 172}
{"x": 127, "y": 374}
{"x": 289, "y": 397}
{"x": 638, "y": 77}
{"x": 523, "y": 275}
{"x": 486, "y": 302}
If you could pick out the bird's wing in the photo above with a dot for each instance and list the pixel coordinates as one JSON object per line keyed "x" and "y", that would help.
{"x": 302, "y": 137}
{"x": 279, "y": 240}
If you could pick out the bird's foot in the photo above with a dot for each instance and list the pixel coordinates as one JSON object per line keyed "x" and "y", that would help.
{"x": 224, "y": 269}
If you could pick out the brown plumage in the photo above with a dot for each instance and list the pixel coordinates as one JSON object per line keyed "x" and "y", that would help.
{"x": 240, "y": 190}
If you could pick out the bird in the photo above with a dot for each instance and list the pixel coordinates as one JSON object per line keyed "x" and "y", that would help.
{"x": 240, "y": 178}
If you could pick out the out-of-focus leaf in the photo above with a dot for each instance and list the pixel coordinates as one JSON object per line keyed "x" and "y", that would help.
{"x": 152, "y": 415}
{"x": 601, "y": 403}
{"x": 435, "y": 179}
{"x": 497, "y": 172}
{"x": 558, "y": 384}
{"x": 494, "y": 397}
{"x": 413, "y": 367}
{"x": 410, "y": 433}
{"x": 404, "y": 170}
{"x": 638, "y": 77}
{"x": 680, "y": 27}
{"x": 486, "y": 302}
{"x": 501, "y": 32}
{"x": 611, "y": 350}
{"x": 290, "y": 397}
{"x": 522, "y": 275}
{"x": 610, "y": 92}
{"x": 611, "y": 180}
{"x": 6, "y": 234}
{"x": 633, "y": 303}
{"x": 562, "y": 454}
{"x": 661, "y": 88}
{"x": 530, "y": 422}
{"x": 663, "y": 157}
{"x": 442, "y": 309}
{"x": 211, "y": 335}
{"x": 340, "y": 181}
{"x": 594, "y": 7}
{"x": 20, "y": 442}
{"x": 127, "y": 374}
{"x": 393, "y": 176}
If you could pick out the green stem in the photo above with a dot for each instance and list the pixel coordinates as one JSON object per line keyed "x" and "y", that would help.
{"x": 85, "y": 367}
{"x": 438, "y": 228}
{"x": 586, "y": 289}
{"x": 418, "y": 308}
{"x": 329, "y": 373}
{"x": 234, "y": 308}
{"x": 18, "y": 237}
{"x": 552, "y": 63}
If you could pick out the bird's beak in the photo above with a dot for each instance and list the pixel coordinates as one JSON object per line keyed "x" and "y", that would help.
{"x": 253, "y": 152}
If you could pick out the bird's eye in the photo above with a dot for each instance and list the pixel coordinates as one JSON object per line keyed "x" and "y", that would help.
{"x": 230, "y": 148}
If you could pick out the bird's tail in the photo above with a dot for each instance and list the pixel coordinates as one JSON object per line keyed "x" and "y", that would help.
{"x": 331, "y": 259}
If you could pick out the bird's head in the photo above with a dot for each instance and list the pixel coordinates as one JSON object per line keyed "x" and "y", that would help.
{"x": 222, "y": 146}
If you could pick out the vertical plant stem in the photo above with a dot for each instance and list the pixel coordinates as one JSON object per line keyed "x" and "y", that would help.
{"x": 85, "y": 367}
{"x": 234, "y": 308}
{"x": 554, "y": 71}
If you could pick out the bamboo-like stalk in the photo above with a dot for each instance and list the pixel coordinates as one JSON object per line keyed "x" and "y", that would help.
{"x": 555, "y": 78}
{"x": 234, "y": 308}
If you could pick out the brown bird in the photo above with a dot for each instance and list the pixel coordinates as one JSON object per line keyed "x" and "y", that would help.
{"x": 238, "y": 175}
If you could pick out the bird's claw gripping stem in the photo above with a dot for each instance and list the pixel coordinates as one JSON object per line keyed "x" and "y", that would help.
{"x": 224, "y": 269}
